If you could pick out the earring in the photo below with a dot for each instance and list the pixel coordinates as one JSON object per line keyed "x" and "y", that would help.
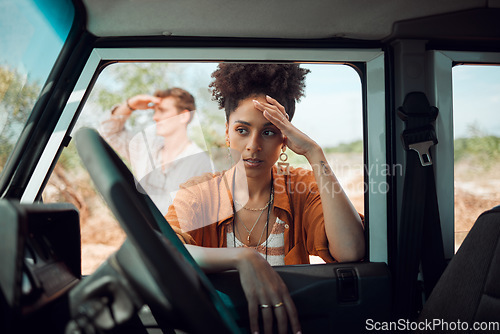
{"x": 283, "y": 166}
{"x": 229, "y": 155}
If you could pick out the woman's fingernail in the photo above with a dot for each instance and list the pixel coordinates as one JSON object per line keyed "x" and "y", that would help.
{"x": 256, "y": 102}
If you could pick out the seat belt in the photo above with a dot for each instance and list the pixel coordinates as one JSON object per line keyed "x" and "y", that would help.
{"x": 420, "y": 239}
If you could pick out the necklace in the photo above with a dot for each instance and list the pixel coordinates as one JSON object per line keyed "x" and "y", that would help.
{"x": 260, "y": 239}
{"x": 266, "y": 226}
{"x": 253, "y": 209}
{"x": 271, "y": 196}
{"x": 254, "y": 224}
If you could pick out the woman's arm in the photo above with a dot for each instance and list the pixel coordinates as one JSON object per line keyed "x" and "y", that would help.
{"x": 261, "y": 284}
{"x": 343, "y": 226}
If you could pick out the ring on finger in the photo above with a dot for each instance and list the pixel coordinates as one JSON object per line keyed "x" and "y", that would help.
{"x": 264, "y": 306}
{"x": 278, "y": 305}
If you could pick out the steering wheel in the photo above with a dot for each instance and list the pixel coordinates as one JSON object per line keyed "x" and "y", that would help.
{"x": 177, "y": 275}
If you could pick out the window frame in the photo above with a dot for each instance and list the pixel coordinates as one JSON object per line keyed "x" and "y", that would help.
{"x": 441, "y": 75}
{"x": 374, "y": 122}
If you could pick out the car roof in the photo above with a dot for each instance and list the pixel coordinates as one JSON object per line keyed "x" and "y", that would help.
{"x": 297, "y": 19}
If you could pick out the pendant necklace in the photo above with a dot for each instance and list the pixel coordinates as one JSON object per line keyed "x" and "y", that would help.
{"x": 266, "y": 226}
{"x": 271, "y": 197}
{"x": 254, "y": 224}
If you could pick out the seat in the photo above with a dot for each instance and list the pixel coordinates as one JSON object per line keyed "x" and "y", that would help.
{"x": 469, "y": 289}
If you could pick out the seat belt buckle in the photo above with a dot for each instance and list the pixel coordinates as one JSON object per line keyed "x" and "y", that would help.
{"x": 420, "y": 140}
{"x": 422, "y": 149}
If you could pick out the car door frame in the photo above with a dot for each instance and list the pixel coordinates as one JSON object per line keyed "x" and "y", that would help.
{"x": 369, "y": 63}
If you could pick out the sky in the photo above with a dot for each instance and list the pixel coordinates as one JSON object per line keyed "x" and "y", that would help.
{"x": 476, "y": 99}
{"x": 25, "y": 33}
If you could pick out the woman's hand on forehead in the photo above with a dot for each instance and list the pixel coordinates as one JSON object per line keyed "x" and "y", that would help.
{"x": 296, "y": 140}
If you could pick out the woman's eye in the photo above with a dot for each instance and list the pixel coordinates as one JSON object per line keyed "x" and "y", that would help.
{"x": 268, "y": 133}
{"x": 241, "y": 131}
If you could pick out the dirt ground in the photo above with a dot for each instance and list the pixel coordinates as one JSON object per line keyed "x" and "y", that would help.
{"x": 476, "y": 190}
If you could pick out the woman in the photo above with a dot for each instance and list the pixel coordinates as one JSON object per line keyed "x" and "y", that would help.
{"x": 259, "y": 213}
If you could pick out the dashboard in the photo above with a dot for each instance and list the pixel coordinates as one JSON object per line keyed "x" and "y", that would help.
{"x": 41, "y": 244}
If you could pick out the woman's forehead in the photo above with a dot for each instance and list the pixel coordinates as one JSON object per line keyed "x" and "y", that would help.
{"x": 246, "y": 113}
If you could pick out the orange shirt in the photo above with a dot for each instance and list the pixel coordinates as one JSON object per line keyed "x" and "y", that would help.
{"x": 203, "y": 212}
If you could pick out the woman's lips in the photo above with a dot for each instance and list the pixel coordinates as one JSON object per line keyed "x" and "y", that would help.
{"x": 253, "y": 162}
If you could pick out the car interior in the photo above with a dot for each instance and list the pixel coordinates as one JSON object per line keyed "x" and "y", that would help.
{"x": 67, "y": 62}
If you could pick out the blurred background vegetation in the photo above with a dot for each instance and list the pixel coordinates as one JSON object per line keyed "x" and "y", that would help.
{"x": 17, "y": 98}
{"x": 484, "y": 149}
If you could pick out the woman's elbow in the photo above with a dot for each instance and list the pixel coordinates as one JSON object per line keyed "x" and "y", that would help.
{"x": 353, "y": 253}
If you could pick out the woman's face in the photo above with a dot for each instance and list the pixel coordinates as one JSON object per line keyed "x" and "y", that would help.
{"x": 253, "y": 137}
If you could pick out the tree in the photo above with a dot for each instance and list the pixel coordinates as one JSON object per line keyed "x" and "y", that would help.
{"x": 17, "y": 98}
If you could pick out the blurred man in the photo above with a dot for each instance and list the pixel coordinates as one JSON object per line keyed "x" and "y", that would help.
{"x": 162, "y": 156}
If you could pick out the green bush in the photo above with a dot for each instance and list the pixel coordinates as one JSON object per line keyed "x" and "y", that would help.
{"x": 485, "y": 150}
{"x": 17, "y": 97}
{"x": 352, "y": 147}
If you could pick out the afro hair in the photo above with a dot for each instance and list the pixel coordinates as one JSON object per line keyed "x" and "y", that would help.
{"x": 234, "y": 82}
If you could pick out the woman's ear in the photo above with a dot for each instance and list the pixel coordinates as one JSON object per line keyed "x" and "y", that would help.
{"x": 285, "y": 141}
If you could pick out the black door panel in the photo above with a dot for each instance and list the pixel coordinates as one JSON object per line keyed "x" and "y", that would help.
{"x": 336, "y": 297}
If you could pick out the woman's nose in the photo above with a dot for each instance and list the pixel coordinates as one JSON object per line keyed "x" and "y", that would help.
{"x": 254, "y": 144}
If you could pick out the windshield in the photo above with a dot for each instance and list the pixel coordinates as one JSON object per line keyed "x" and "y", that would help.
{"x": 26, "y": 59}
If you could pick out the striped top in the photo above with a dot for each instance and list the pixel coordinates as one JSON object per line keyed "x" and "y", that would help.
{"x": 275, "y": 243}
